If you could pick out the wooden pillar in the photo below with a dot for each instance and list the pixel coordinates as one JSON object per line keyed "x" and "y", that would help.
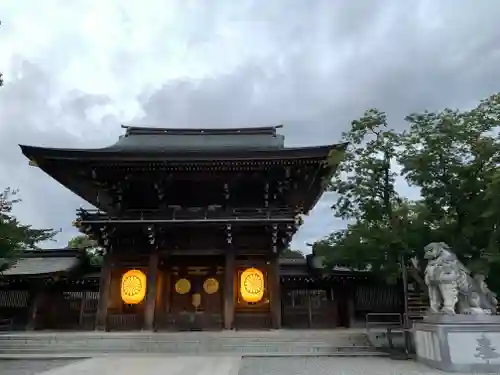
{"x": 104, "y": 283}
{"x": 309, "y": 310}
{"x": 334, "y": 306}
{"x": 149, "y": 312}
{"x": 82, "y": 309}
{"x": 35, "y": 304}
{"x": 167, "y": 287}
{"x": 274, "y": 291}
{"x": 160, "y": 293}
{"x": 351, "y": 308}
{"x": 229, "y": 272}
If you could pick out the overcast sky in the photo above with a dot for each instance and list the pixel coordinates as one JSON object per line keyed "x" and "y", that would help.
{"x": 74, "y": 70}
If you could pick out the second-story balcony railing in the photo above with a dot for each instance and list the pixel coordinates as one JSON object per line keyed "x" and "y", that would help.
{"x": 180, "y": 214}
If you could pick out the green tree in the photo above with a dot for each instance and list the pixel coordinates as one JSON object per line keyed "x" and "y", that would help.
{"x": 291, "y": 254}
{"x": 365, "y": 186}
{"x": 92, "y": 253}
{"x": 453, "y": 157}
{"x": 81, "y": 242}
{"x": 15, "y": 236}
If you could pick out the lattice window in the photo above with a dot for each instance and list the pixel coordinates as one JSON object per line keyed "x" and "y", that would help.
{"x": 14, "y": 298}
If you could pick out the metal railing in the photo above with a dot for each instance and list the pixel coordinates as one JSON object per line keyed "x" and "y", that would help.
{"x": 383, "y": 320}
{"x": 392, "y": 331}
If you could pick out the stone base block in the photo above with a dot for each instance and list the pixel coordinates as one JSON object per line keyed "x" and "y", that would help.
{"x": 460, "y": 343}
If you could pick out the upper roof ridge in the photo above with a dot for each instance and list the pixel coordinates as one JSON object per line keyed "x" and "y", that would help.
{"x": 137, "y": 130}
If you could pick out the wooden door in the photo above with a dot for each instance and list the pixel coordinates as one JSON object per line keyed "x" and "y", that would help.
{"x": 308, "y": 308}
{"x": 196, "y": 301}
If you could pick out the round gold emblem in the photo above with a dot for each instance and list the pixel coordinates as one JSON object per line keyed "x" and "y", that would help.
{"x": 211, "y": 285}
{"x": 182, "y": 286}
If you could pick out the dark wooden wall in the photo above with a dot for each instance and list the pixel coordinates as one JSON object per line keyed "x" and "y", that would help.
{"x": 72, "y": 304}
{"x": 309, "y": 308}
{"x": 14, "y": 305}
{"x": 377, "y": 298}
{"x": 49, "y": 306}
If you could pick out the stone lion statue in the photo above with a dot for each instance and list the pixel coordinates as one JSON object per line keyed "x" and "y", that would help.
{"x": 452, "y": 289}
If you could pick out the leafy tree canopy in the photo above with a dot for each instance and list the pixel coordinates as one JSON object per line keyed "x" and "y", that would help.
{"x": 452, "y": 157}
{"x": 81, "y": 242}
{"x": 291, "y": 254}
{"x": 92, "y": 253}
{"x": 15, "y": 236}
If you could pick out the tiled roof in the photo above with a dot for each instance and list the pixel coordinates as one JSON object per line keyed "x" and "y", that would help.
{"x": 165, "y": 139}
{"x": 292, "y": 261}
{"x": 40, "y": 266}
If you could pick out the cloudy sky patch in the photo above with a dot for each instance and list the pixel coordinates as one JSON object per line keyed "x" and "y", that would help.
{"x": 74, "y": 71}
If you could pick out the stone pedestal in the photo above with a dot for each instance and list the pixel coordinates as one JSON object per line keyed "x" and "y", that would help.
{"x": 459, "y": 343}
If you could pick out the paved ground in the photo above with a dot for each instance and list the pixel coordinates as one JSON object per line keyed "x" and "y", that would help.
{"x": 332, "y": 366}
{"x": 30, "y": 367}
{"x": 216, "y": 366}
{"x": 134, "y": 365}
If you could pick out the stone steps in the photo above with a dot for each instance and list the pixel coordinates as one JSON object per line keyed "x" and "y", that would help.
{"x": 90, "y": 344}
{"x": 417, "y": 305}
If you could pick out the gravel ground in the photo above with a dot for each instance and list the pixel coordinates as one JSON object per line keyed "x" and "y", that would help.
{"x": 30, "y": 367}
{"x": 332, "y": 366}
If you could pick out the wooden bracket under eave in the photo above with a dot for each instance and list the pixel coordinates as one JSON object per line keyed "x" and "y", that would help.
{"x": 33, "y": 163}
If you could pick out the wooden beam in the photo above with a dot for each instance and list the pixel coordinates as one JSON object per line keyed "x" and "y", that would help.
{"x": 309, "y": 311}
{"x": 229, "y": 295}
{"x": 104, "y": 289}
{"x": 351, "y": 309}
{"x": 82, "y": 308}
{"x": 36, "y": 301}
{"x": 274, "y": 291}
{"x": 149, "y": 313}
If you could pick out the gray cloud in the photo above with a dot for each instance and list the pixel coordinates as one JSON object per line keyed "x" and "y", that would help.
{"x": 26, "y": 117}
{"x": 311, "y": 66}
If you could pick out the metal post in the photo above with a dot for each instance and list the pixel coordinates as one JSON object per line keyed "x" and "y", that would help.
{"x": 406, "y": 327}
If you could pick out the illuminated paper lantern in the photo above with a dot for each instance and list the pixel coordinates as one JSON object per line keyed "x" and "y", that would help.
{"x": 252, "y": 285}
{"x": 133, "y": 288}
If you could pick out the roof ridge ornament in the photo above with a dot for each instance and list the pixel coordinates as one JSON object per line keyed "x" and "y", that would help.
{"x": 149, "y": 130}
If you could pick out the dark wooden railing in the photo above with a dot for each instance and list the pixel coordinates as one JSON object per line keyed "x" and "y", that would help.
{"x": 378, "y": 298}
{"x": 124, "y": 322}
{"x": 176, "y": 213}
